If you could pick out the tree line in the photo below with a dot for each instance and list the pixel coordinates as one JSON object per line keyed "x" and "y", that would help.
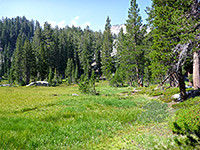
{"x": 170, "y": 50}
{"x": 30, "y": 54}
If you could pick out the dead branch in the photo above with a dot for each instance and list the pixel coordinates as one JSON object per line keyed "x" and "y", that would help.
{"x": 164, "y": 80}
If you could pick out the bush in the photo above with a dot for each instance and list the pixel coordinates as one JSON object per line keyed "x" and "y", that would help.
{"x": 88, "y": 86}
{"x": 188, "y": 103}
{"x": 187, "y": 123}
{"x": 189, "y": 117}
{"x": 83, "y": 85}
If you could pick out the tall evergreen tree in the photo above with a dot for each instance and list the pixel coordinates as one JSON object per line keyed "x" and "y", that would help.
{"x": 119, "y": 46}
{"x": 28, "y": 61}
{"x": 132, "y": 56}
{"x": 87, "y": 52}
{"x": 2, "y": 63}
{"x": 49, "y": 44}
{"x": 98, "y": 49}
{"x": 43, "y": 62}
{"x": 175, "y": 28}
{"x": 36, "y": 42}
{"x": 69, "y": 70}
{"x": 8, "y": 56}
{"x": 62, "y": 52}
{"x": 107, "y": 48}
{"x": 17, "y": 61}
{"x": 50, "y": 76}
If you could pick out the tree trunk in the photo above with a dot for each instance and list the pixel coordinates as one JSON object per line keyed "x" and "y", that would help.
{"x": 181, "y": 84}
{"x": 130, "y": 83}
{"x": 196, "y": 76}
{"x": 138, "y": 78}
{"x": 163, "y": 81}
{"x": 172, "y": 81}
{"x": 190, "y": 83}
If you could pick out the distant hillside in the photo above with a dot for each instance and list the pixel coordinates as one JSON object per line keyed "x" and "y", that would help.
{"x": 116, "y": 29}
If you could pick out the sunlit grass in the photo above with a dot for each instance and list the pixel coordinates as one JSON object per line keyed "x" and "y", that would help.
{"x": 52, "y": 118}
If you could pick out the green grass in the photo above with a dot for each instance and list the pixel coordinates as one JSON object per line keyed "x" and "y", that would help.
{"x": 151, "y": 136}
{"x": 51, "y": 118}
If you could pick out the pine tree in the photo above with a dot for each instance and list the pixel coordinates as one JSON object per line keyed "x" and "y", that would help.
{"x": 132, "y": 55}
{"x": 8, "y": 56}
{"x": 98, "y": 48}
{"x": 5, "y": 68}
{"x": 62, "y": 53}
{"x": 17, "y": 61}
{"x": 175, "y": 26}
{"x": 107, "y": 48}
{"x": 55, "y": 78}
{"x": 69, "y": 70}
{"x": 148, "y": 41}
{"x": 28, "y": 61}
{"x": 76, "y": 74}
{"x": 119, "y": 46}
{"x": 50, "y": 76}
{"x": 49, "y": 44}
{"x": 43, "y": 62}
{"x": 37, "y": 40}
{"x": 2, "y": 63}
{"x": 56, "y": 47}
{"x": 92, "y": 89}
{"x": 87, "y": 52}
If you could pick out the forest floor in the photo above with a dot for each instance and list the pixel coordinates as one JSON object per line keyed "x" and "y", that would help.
{"x": 63, "y": 118}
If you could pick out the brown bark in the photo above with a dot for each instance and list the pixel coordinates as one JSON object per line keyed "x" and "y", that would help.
{"x": 196, "y": 75}
{"x": 170, "y": 75}
{"x": 172, "y": 81}
{"x": 181, "y": 84}
{"x": 130, "y": 83}
{"x": 137, "y": 75}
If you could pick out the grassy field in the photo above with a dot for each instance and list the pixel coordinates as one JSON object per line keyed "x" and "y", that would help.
{"x": 52, "y": 118}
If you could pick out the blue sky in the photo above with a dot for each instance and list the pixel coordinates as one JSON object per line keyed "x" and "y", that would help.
{"x": 72, "y": 12}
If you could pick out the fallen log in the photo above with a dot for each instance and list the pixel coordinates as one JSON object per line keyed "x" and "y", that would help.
{"x": 171, "y": 74}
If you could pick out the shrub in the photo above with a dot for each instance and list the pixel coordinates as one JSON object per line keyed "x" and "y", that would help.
{"x": 87, "y": 86}
{"x": 83, "y": 85}
{"x": 187, "y": 123}
{"x": 188, "y": 103}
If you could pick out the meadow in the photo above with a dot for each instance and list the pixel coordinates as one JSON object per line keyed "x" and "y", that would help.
{"x": 63, "y": 118}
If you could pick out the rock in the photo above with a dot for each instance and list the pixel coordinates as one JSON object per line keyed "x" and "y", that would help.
{"x": 134, "y": 90}
{"x": 31, "y": 84}
{"x": 187, "y": 86}
{"x": 4, "y": 85}
{"x": 176, "y": 96}
{"x": 75, "y": 95}
{"x": 38, "y": 83}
